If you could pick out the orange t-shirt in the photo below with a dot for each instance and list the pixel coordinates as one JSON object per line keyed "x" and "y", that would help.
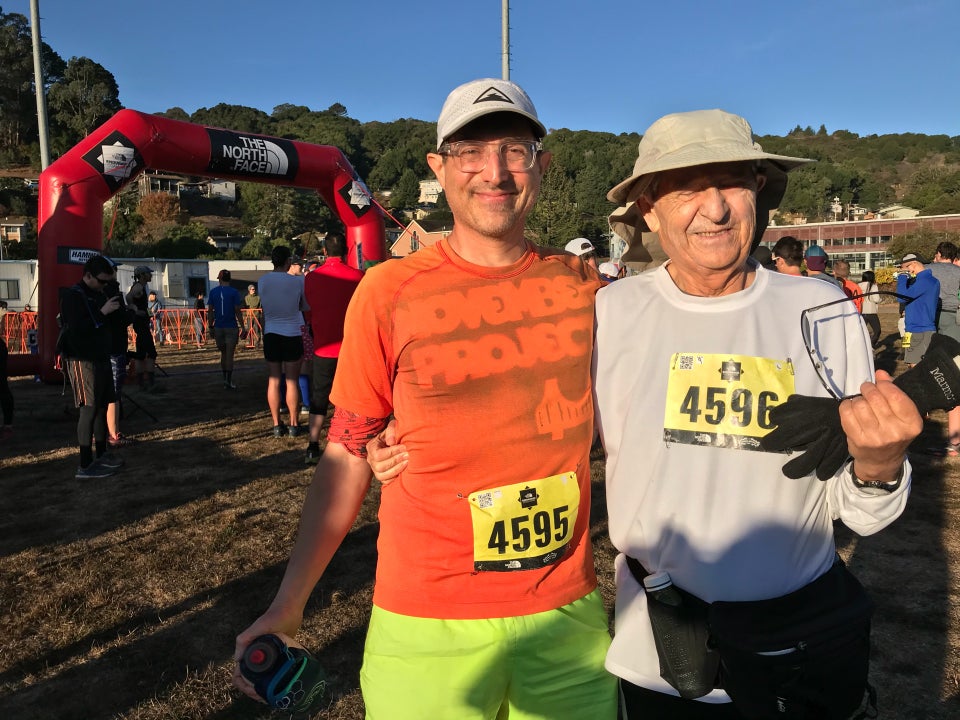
{"x": 854, "y": 292}
{"x": 487, "y": 371}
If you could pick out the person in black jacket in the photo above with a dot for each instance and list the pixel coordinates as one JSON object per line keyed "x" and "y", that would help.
{"x": 84, "y": 312}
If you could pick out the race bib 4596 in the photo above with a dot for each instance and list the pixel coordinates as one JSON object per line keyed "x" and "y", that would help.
{"x": 724, "y": 400}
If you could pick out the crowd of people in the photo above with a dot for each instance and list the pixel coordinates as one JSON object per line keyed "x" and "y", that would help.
{"x": 475, "y": 378}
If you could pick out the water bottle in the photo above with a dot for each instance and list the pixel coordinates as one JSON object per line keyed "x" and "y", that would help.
{"x": 283, "y": 673}
{"x": 660, "y": 587}
{"x": 680, "y": 633}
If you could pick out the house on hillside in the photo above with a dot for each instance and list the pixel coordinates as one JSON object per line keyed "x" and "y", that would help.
{"x": 14, "y": 230}
{"x": 228, "y": 242}
{"x": 414, "y": 237}
{"x": 429, "y": 192}
{"x": 897, "y": 212}
{"x": 18, "y": 283}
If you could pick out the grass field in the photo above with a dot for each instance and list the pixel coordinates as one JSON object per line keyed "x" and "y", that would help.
{"x": 121, "y": 597}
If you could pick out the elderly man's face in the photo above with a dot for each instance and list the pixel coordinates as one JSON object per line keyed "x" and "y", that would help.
{"x": 705, "y": 215}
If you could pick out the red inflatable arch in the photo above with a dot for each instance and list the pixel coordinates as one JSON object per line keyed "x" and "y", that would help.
{"x": 74, "y": 188}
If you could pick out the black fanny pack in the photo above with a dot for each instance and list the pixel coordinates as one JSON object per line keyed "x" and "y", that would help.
{"x": 804, "y": 655}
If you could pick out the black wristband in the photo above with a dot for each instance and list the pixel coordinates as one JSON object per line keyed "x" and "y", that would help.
{"x": 877, "y": 484}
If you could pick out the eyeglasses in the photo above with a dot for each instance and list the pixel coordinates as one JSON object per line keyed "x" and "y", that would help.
{"x": 823, "y": 330}
{"x": 471, "y": 157}
{"x": 101, "y": 280}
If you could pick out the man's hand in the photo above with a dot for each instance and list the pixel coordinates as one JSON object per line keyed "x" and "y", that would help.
{"x": 272, "y": 621}
{"x": 385, "y": 457}
{"x": 111, "y": 305}
{"x": 880, "y": 424}
{"x": 875, "y": 428}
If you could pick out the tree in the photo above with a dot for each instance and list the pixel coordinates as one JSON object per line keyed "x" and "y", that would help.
{"x": 84, "y": 99}
{"x": 555, "y": 219}
{"x": 121, "y": 224}
{"x": 18, "y": 109}
{"x": 406, "y": 193}
{"x": 185, "y": 241}
{"x": 160, "y": 212}
{"x": 286, "y": 112}
{"x": 923, "y": 241}
{"x": 281, "y": 212}
{"x": 257, "y": 248}
{"x": 175, "y": 113}
{"x": 234, "y": 117}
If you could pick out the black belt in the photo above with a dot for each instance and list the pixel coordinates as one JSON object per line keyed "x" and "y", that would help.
{"x": 636, "y": 569}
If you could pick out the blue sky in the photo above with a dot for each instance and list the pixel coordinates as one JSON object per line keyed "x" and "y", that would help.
{"x": 868, "y": 66}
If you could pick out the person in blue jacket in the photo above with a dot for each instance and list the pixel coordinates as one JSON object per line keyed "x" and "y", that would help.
{"x": 920, "y": 316}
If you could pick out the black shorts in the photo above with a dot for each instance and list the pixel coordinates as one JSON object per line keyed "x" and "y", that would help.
{"x": 322, "y": 371}
{"x": 282, "y": 348}
{"x": 146, "y": 347}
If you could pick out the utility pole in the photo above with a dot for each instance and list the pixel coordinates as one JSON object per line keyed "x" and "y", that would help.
{"x": 38, "y": 81}
{"x": 505, "y": 35}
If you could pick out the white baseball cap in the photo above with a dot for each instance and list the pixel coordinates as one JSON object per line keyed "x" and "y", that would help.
{"x": 477, "y": 98}
{"x": 609, "y": 269}
{"x": 580, "y": 246}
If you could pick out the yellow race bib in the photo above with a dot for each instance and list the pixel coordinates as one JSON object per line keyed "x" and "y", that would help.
{"x": 724, "y": 400}
{"x": 526, "y": 525}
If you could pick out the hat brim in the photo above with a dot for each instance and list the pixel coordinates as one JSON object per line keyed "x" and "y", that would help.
{"x": 696, "y": 154}
{"x": 480, "y": 112}
{"x": 644, "y": 246}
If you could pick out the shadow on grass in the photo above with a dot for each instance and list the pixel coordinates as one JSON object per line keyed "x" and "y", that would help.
{"x": 161, "y": 648}
{"x": 905, "y": 568}
{"x": 59, "y": 509}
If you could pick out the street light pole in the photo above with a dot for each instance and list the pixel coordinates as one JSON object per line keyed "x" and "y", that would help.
{"x": 505, "y": 39}
{"x": 38, "y": 81}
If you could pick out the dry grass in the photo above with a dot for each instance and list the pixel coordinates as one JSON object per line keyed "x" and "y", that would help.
{"x": 121, "y": 597}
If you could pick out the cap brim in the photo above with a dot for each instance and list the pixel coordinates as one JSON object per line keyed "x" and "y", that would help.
{"x": 468, "y": 118}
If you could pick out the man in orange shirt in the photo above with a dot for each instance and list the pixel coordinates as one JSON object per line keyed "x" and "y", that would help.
{"x": 480, "y": 346}
{"x": 841, "y": 271}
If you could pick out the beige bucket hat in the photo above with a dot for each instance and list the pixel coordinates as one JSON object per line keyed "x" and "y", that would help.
{"x": 681, "y": 140}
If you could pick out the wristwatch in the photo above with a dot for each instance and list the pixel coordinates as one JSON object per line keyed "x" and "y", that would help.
{"x": 877, "y": 484}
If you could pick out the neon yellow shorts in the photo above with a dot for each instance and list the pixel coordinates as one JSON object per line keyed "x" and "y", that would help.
{"x": 546, "y": 666}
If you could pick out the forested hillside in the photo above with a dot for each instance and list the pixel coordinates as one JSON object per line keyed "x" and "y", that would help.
{"x": 917, "y": 170}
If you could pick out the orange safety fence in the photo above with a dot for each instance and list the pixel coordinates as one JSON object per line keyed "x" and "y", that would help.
{"x": 178, "y": 326}
{"x": 15, "y": 328}
{"x": 185, "y": 326}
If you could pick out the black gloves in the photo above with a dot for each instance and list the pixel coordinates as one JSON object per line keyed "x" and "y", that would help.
{"x": 812, "y": 424}
{"x": 934, "y": 382}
